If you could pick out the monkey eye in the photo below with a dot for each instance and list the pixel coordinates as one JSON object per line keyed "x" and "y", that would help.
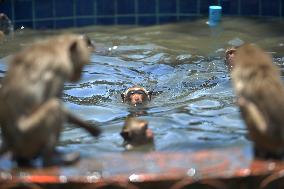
{"x": 230, "y": 51}
{"x": 136, "y": 92}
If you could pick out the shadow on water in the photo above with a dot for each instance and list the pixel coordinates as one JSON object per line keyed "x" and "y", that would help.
{"x": 183, "y": 63}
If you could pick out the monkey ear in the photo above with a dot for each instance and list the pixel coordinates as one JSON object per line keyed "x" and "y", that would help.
{"x": 150, "y": 93}
{"x": 125, "y": 135}
{"x": 73, "y": 47}
{"x": 74, "y": 50}
{"x": 123, "y": 97}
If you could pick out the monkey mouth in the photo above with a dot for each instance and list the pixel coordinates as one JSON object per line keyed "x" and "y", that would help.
{"x": 137, "y": 102}
{"x": 75, "y": 77}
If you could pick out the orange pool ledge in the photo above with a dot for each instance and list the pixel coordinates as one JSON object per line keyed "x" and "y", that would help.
{"x": 219, "y": 168}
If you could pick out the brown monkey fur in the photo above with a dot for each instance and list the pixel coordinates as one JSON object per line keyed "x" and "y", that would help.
{"x": 135, "y": 132}
{"x": 31, "y": 113}
{"x": 260, "y": 93}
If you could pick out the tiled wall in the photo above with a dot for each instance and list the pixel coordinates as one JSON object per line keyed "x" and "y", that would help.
{"x": 43, "y": 14}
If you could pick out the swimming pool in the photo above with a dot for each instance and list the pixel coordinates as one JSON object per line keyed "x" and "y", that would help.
{"x": 183, "y": 63}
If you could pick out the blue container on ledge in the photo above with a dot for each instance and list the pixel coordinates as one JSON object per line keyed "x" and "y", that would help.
{"x": 215, "y": 14}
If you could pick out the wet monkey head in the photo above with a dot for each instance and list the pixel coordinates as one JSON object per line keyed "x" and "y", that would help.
{"x": 136, "y": 95}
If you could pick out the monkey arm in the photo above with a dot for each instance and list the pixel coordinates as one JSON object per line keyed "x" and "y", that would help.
{"x": 93, "y": 130}
{"x": 255, "y": 115}
{"x": 44, "y": 114}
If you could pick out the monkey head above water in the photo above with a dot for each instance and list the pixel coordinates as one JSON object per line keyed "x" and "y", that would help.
{"x": 31, "y": 112}
{"x": 136, "y": 95}
{"x": 135, "y": 132}
{"x": 260, "y": 91}
{"x": 230, "y": 54}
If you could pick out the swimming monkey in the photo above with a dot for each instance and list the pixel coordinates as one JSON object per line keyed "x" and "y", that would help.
{"x": 230, "y": 55}
{"x": 136, "y": 132}
{"x": 136, "y": 95}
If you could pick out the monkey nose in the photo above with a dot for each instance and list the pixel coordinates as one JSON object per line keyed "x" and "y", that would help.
{"x": 137, "y": 101}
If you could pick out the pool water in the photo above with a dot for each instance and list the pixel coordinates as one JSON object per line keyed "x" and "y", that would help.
{"x": 183, "y": 63}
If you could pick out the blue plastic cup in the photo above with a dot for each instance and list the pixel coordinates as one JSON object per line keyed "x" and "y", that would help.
{"x": 215, "y": 14}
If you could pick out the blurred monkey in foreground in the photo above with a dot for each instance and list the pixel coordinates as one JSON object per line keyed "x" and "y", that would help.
{"x": 260, "y": 93}
{"x": 31, "y": 113}
{"x": 136, "y": 95}
{"x": 135, "y": 132}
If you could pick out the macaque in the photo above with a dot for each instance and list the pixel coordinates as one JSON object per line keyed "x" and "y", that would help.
{"x": 31, "y": 113}
{"x": 259, "y": 88}
{"x": 136, "y": 95}
{"x": 135, "y": 132}
{"x": 6, "y": 25}
{"x": 230, "y": 57}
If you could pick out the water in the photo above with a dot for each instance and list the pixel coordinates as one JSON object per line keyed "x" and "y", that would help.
{"x": 183, "y": 63}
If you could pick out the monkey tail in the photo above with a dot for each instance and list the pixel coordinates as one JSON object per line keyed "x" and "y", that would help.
{"x": 93, "y": 130}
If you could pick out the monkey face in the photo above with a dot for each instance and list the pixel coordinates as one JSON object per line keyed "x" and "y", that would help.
{"x": 136, "y": 96}
{"x": 80, "y": 51}
{"x": 90, "y": 44}
{"x": 76, "y": 74}
{"x": 230, "y": 57}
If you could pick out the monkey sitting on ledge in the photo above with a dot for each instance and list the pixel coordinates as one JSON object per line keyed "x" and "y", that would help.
{"x": 135, "y": 133}
{"x": 136, "y": 95}
{"x": 260, "y": 91}
{"x": 31, "y": 112}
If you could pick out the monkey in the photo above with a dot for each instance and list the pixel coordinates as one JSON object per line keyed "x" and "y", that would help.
{"x": 230, "y": 54}
{"x": 6, "y": 25}
{"x": 135, "y": 132}
{"x": 136, "y": 95}
{"x": 31, "y": 112}
{"x": 260, "y": 92}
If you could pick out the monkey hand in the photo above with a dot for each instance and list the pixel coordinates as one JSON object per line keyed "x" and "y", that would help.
{"x": 254, "y": 113}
